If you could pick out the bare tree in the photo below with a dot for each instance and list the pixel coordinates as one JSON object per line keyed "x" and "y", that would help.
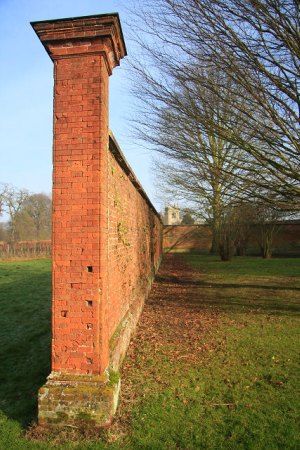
{"x": 29, "y": 214}
{"x": 255, "y": 46}
{"x": 187, "y": 219}
{"x": 240, "y": 222}
{"x": 37, "y": 207}
{"x": 3, "y": 231}
{"x": 243, "y": 218}
{"x": 226, "y": 235}
{"x": 196, "y": 166}
{"x": 13, "y": 201}
{"x": 267, "y": 224}
{"x": 3, "y": 192}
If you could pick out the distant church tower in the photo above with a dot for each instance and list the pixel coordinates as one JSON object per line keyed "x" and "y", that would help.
{"x": 172, "y": 216}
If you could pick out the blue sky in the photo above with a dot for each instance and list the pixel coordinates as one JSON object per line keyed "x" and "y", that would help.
{"x": 26, "y": 83}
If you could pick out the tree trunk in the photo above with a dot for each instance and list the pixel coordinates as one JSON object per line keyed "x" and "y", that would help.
{"x": 267, "y": 253}
{"x": 216, "y": 220}
{"x": 226, "y": 249}
{"x": 267, "y": 242}
{"x": 214, "y": 244}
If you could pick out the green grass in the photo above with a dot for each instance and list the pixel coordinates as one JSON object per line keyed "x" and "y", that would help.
{"x": 238, "y": 392}
{"x": 242, "y": 392}
{"x": 25, "y": 289}
{"x": 246, "y": 266}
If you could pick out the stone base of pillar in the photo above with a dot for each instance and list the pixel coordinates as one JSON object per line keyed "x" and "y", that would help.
{"x": 78, "y": 399}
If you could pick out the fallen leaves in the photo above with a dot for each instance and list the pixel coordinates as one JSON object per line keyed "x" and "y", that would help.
{"x": 176, "y": 325}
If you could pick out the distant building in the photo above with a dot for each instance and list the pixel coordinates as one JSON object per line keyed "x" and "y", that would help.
{"x": 172, "y": 216}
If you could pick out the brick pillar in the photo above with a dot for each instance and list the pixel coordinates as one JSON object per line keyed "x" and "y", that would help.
{"x": 84, "y": 51}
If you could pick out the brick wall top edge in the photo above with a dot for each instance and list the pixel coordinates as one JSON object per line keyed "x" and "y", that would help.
{"x": 187, "y": 226}
{"x": 121, "y": 160}
{"x": 65, "y": 19}
{"x": 110, "y": 22}
{"x": 295, "y": 222}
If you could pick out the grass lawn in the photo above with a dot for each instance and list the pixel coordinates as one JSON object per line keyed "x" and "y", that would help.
{"x": 213, "y": 365}
{"x": 25, "y": 290}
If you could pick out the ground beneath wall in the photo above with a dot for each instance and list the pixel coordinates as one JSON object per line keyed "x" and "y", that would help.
{"x": 213, "y": 364}
{"x": 214, "y": 360}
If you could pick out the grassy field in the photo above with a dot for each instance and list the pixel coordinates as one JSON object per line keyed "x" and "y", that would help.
{"x": 25, "y": 289}
{"x": 214, "y": 363}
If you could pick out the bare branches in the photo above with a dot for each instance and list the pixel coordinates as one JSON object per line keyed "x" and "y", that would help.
{"x": 252, "y": 48}
{"x": 29, "y": 214}
{"x": 13, "y": 200}
{"x": 218, "y": 90}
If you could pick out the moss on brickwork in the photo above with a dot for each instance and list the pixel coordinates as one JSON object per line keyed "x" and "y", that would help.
{"x": 122, "y": 234}
{"x": 79, "y": 399}
{"x": 117, "y": 333}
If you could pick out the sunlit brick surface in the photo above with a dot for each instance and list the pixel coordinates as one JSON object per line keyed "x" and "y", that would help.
{"x": 80, "y": 143}
{"x": 106, "y": 234}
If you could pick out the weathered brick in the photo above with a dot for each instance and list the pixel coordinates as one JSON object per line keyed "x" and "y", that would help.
{"x": 106, "y": 234}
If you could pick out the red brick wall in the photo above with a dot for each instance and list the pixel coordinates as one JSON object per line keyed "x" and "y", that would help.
{"x": 80, "y": 127}
{"x": 106, "y": 233}
{"x": 187, "y": 238}
{"x": 134, "y": 246}
{"x": 286, "y": 241}
{"x": 100, "y": 220}
{"x": 198, "y": 238}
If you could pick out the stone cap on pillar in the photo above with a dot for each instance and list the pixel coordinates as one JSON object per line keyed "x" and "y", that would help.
{"x": 74, "y": 36}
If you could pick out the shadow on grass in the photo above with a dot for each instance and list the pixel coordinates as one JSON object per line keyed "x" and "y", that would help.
{"x": 231, "y": 297}
{"x": 25, "y": 290}
{"x": 183, "y": 281}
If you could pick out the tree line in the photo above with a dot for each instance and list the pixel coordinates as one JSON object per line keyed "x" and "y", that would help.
{"x": 29, "y": 214}
{"x": 217, "y": 87}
